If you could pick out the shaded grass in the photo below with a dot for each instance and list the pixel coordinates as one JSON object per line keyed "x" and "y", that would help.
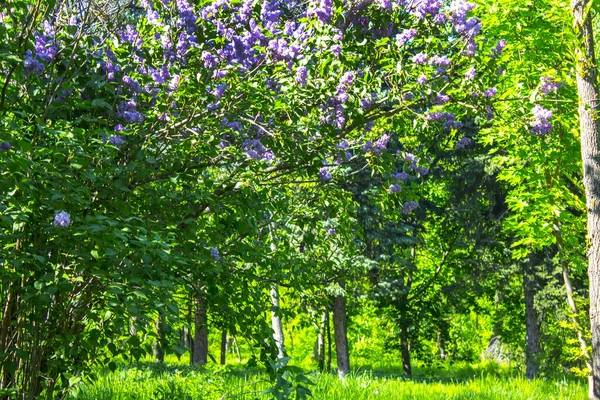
{"x": 175, "y": 380}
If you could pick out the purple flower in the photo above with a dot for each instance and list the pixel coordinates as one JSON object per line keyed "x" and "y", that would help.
{"x": 324, "y": 11}
{"x": 490, "y": 92}
{"x": 324, "y": 174}
{"x": 214, "y": 253}
{"x": 219, "y": 90}
{"x": 541, "y": 125}
{"x": 497, "y": 51}
{"x": 331, "y": 231}
{"x": 401, "y": 176}
{"x": 301, "y": 76}
{"x": 548, "y": 85}
{"x": 463, "y": 143}
{"x": 470, "y": 74}
{"x": 127, "y": 112}
{"x": 420, "y": 58}
{"x": 336, "y": 49}
{"x": 409, "y": 206}
{"x": 439, "y": 61}
{"x": 343, "y": 145}
{"x": 381, "y": 144}
{"x": 43, "y": 49}
{"x": 395, "y": 188}
{"x": 32, "y": 65}
{"x": 5, "y": 146}
{"x": 405, "y": 36}
{"x": 209, "y": 60}
{"x": 62, "y": 219}
{"x": 441, "y": 98}
{"x": 421, "y": 80}
{"x": 117, "y": 140}
{"x": 348, "y": 78}
{"x": 422, "y": 8}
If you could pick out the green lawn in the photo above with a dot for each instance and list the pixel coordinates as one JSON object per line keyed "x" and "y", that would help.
{"x": 177, "y": 381}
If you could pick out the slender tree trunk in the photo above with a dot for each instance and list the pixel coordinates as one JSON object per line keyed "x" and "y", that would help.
{"x": 321, "y": 343}
{"x": 159, "y": 353}
{"x": 532, "y": 325}
{"x": 276, "y": 322}
{"x": 200, "y": 345}
{"x": 340, "y": 334}
{"x": 405, "y": 350}
{"x": 589, "y": 105}
{"x": 224, "y": 347}
{"x": 328, "y": 343}
{"x": 441, "y": 346}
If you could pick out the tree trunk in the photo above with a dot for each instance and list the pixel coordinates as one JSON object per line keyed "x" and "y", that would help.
{"x": 405, "y": 349}
{"x": 200, "y": 345}
{"x": 328, "y": 343}
{"x": 321, "y": 343}
{"x": 276, "y": 322}
{"x": 224, "y": 347}
{"x": 340, "y": 334}
{"x": 532, "y": 325}
{"x": 589, "y": 105}
{"x": 441, "y": 346}
{"x": 159, "y": 353}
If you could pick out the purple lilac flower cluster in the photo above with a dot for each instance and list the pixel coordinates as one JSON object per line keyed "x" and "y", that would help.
{"x": 547, "y": 85}
{"x": 497, "y": 50}
{"x": 62, "y": 219}
{"x": 463, "y": 143}
{"x": 448, "y": 119}
{"x": 257, "y": 151}
{"x": 541, "y": 125}
{"x": 214, "y": 253}
{"x": 127, "y": 111}
{"x": 395, "y": 188}
{"x": 379, "y": 145}
{"x": 409, "y": 207}
{"x": 325, "y": 174}
{"x": 5, "y": 146}
{"x": 406, "y": 36}
{"x": 45, "y": 51}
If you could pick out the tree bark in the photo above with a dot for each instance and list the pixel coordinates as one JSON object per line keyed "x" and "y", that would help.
{"x": 405, "y": 350}
{"x": 224, "y": 347}
{"x": 532, "y": 325}
{"x": 159, "y": 353}
{"x": 321, "y": 343}
{"x": 276, "y": 321}
{"x": 328, "y": 343}
{"x": 340, "y": 333}
{"x": 589, "y": 105}
{"x": 200, "y": 345}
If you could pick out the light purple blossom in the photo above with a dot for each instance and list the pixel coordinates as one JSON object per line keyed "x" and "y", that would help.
{"x": 420, "y": 58}
{"x": 405, "y": 36}
{"x": 348, "y": 78}
{"x": 497, "y": 51}
{"x": 463, "y": 143}
{"x": 490, "y": 92}
{"x": 422, "y": 79}
{"x": 214, "y": 253}
{"x": 301, "y": 76}
{"x": 548, "y": 85}
{"x": 324, "y": 174}
{"x": 395, "y": 188}
{"x": 541, "y": 125}
{"x": 62, "y": 219}
{"x": 470, "y": 74}
{"x": 409, "y": 206}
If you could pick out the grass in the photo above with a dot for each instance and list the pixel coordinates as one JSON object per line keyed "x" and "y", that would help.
{"x": 174, "y": 381}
